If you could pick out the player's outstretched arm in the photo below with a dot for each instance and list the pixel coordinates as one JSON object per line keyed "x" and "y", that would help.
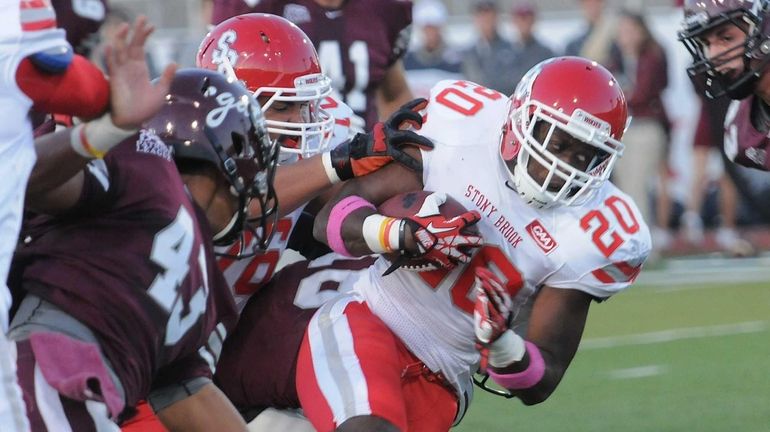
{"x": 531, "y": 367}
{"x": 207, "y": 410}
{"x": 298, "y": 183}
{"x": 351, "y": 225}
{"x": 367, "y": 192}
{"x": 57, "y": 179}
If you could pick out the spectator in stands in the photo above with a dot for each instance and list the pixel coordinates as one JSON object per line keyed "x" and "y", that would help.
{"x": 81, "y": 20}
{"x": 485, "y": 61}
{"x": 647, "y": 139}
{"x": 432, "y": 60}
{"x": 529, "y": 49}
{"x": 596, "y": 41}
{"x": 113, "y": 20}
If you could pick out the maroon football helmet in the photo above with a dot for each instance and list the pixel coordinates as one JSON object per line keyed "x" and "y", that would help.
{"x": 579, "y": 97}
{"x": 702, "y": 17}
{"x": 81, "y": 19}
{"x": 212, "y": 119}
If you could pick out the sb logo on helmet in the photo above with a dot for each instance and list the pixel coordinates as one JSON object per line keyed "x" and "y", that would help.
{"x": 224, "y": 56}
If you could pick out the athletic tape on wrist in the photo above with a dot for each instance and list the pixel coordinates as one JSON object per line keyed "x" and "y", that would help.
{"x": 507, "y": 349}
{"x": 381, "y": 233}
{"x": 339, "y": 213}
{"x": 95, "y": 138}
{"x": 527, "y": 378}
{"x": 331, "y": 173}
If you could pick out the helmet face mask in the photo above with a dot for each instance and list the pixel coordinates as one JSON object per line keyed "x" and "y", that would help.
{"x": 311, "y": 134}
{"x": 210, "y": 119}
{"x": 734, "y": 70}
{"x": 275, "y": 60}
{"x": 561, "y": 145}
{"x": 562, "y": 183}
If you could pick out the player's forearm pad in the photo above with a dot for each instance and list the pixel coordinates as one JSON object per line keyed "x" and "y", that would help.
{"x": 339, "y": 213}
{"x": 527, "y": 378}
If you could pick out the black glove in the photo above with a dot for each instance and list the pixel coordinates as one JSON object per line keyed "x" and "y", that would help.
{"x": 366, "y": 153}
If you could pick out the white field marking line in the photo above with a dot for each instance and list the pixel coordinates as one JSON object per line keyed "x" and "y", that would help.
{"x": 674, "y": 335}
{"x": 666, "y": 278}
{"x": 707, "y": 270}
{"x": 638, "y": 372}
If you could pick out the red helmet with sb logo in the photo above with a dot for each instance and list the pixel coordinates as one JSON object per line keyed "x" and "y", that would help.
{"x": 277, "y": 61}
{"x": 576, "y": 96}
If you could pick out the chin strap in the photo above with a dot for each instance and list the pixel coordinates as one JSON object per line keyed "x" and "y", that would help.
{"x": 230, "y": 233}
{"x": 226, "y": 230}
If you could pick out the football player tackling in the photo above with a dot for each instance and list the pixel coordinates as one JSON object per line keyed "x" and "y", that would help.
{"x": 123, "y": 298}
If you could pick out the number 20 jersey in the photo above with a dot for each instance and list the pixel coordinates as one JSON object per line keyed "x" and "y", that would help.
{"x": 597, "y": 248}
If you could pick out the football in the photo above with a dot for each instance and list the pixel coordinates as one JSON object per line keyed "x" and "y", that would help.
{"x": 408, "y": 204}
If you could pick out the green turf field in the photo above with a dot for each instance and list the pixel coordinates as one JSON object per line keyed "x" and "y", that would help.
{"x": 681, "y": 358}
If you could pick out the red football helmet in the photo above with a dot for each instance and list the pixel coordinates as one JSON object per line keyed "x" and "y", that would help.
{"x": 274, "y": 58}
{"x": 579, "y": 97}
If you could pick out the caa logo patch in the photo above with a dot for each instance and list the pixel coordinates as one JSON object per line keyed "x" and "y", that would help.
{"x": 543, "y": 239}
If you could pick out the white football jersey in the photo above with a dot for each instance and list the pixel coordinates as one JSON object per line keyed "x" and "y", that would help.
{"x": 17, "y": 157}
{"x": 17, "y": 151}
{"x": 597, "y": 248}
{"x": 248, "y": 275}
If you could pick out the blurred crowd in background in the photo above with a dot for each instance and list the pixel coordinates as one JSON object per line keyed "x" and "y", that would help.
{"x": 673, "y": 167}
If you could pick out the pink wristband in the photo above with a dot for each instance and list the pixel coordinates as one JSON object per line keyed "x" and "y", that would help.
{"x": 339, "y": 212}
{"x": 526, "y": 378}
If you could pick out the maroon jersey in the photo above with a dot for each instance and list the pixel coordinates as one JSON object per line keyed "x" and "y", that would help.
{"x": 258, "y": 360}
{"x": 81, "y": 19}
{"x": 745, "y": 144}
{"x": 134, "y": 262}
{"x": 356, "y": 43}
{"x": 710, "y": 130}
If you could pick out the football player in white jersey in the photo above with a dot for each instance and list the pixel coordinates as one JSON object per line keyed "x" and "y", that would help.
{"x": 37, "y": 66}
{"x": 399, "y": 352}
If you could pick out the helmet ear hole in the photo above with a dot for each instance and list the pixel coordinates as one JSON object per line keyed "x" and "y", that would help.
{"x": 510, "y": 145}
{"x": 237, "y": 140}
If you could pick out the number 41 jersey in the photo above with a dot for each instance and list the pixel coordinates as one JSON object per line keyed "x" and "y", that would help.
{"x": 357, "y": 43}
{"x": 133, "y": 261}
{"x": 597, "y": 248}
